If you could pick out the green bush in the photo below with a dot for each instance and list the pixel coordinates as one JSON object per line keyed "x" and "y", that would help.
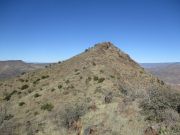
{"x": 47, "y": 106}
{"x": 100, "y": 80}
{"x": 44, "y": 76}
{"x": 21, "y": 80}
{"x": 37, "y": 95}
{"x": 53, "y": 89}
{"x": 101, "y": 71}
{"x": 76, "y": 70}
{"x": 24, "y": 87}
{"x": 89, "y": 78}
{"x": 36, "y": 81}
{"x": 67, "y": 81}
{"x": 72, "y": 114}
{"x": 108, "y": 98}
{"x": 157, "y": 101}
{"x": 95, "y": 78}
{"x": 21, "y": 103}
{"x": 8, "y": 96}
{"x": 60, "y": 86}
{"x": 8, "y": 117}
{"x": 86, "y": 50}
{"x": 112, "y": 76}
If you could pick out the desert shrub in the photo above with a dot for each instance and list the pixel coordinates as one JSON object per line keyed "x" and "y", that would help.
{"x": 89, "y": 78}
{"x": 101, "y": 71}
{"x": 112, "y": 76}
{"x": 19, "y": 93}
{"x": 21, "y": 80}
{"x": 53, "y": 89}
{"x": 30, "y": 90}
{"x": 24, "y": 87}
{"x": 170, "y": 116}
{"x": 71, "y": 114}
{"x": 92, "y": 107}
{"x": 8, "y": 117}
{"x": 86, "y": 50}
{"x": 100, "y": 80}
{"x": 108, "y": 98}
{"x": 178, "y": 109}
{"x": 21, "y": 103}
{"x": 95, "y": 78}
{"x": 36, "y": 113}
{"x": 3, "y": 113}
{"x": 23, "y": 73}
{"x": 93, "y": 63}
{"x": 67, "y": 81}
{"x": 124, "y": 91}
{"x": 60, "y": 86}
{"x": 9, "y": 128}
{"x": 36, "y": 81}
{"x": 47, "y": 106}
{"x": 76, "y": 70}
{"x": 159, "y": 101}
{"x": 37, "y": 95}
{"x": 44, "y": 76}
{"x": 8, "y": 96}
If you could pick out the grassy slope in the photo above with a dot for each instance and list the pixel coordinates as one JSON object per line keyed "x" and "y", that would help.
{"x": 81, "y": 82}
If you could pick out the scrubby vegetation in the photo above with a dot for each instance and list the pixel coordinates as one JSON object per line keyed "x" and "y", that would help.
{"x": 60, "y": 86}
{"x": 161, "y": 106}
{"x": 95, "y": 78}
{"x": 71, "y": 115}
{"x": 21, "y": 103}
{"x": 24, "y": 87}
{"x": 36, "y": 81}
{"x": 47, "y": 106}
{"x": 108, "y": 98}
{"x": 158, "y": 101}
{"x": 44, "y": 76}
{"x": 100, "y": 80}
{"x": 67, "y": 81}
{"x": 37, "y": 95}
{"x": 8, "y": 96}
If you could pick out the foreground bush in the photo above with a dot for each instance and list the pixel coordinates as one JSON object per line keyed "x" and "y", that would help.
{"x": 158, "y": 101}
{"x": 71, "y": 115}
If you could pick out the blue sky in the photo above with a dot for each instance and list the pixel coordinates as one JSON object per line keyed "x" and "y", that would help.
{"x": 53, "y": 30}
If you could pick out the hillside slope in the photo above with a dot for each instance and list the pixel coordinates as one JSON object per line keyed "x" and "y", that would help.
{"x": 101, "y": 91}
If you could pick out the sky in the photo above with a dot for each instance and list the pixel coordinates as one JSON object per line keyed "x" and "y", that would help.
{"x": 55, "y": 30}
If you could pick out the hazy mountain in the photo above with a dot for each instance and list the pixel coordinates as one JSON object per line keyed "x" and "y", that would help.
{"x": 12, "y": 68}
{"x": 101, "y": 91}
{"x": 169, "y": 72}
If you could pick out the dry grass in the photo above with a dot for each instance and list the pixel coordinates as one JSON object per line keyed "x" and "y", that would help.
{"x": 86, "y": 79}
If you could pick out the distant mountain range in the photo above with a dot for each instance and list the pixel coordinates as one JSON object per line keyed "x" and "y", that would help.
{"x": 169, "y": 72}
{"x": 12, "y": 68}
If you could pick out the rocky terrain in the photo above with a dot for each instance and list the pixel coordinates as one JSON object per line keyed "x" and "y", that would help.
{"x": 101, "y": 91}
{"x": 13, "y": 68}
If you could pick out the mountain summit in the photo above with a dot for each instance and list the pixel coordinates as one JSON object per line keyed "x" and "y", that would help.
{"x": 101, "y": 91}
